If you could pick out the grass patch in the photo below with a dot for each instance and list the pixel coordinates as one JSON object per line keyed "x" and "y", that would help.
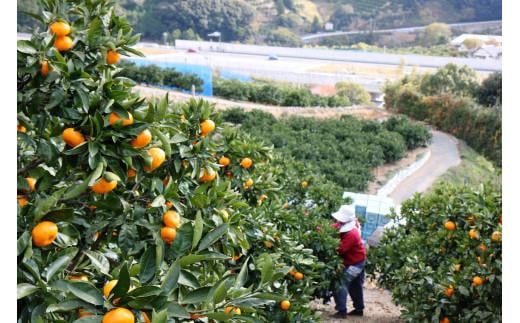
{"x": 473, "y": 170}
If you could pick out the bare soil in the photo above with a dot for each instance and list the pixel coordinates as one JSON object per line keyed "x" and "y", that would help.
{"x": 378, "y": 307}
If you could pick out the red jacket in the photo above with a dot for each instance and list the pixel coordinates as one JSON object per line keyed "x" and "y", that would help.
{"x": 351, "y": 247}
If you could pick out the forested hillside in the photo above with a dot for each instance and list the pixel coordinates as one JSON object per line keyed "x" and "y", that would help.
{"x": 258, "y": 20}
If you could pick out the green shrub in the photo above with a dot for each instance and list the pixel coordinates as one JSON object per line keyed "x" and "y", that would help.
{"x": 354, "y": 92}
{"x": 414, "y": 134}
{"x": 430, "y": 270}
{"x": 154, "y": 75}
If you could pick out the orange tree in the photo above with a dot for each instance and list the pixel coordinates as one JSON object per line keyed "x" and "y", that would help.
{"x": 445, "y": 262}
{"x": 126, "y": 212}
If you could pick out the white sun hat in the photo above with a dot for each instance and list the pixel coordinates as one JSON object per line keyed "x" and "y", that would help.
{"x": 345, "y": 214}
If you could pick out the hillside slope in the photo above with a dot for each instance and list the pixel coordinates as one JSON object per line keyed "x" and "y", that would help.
{"x": 252, "y": 20}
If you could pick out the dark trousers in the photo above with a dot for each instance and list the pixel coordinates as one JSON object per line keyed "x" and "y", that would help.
{"x": 355, "y": 277}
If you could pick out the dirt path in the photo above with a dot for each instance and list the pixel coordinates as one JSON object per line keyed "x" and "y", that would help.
{"x": 444, "y": 154}
{"x": 378, "y": 307}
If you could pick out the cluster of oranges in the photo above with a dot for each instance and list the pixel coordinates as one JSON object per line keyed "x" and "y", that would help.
{"x": 296, "y": 275}
{"x": 172, "y": 222}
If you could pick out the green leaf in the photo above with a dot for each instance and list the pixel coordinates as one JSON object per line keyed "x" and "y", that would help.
{"x": 177, "y": 311}
{"x": 172, "y": 277}
{"x": 87, "y": 292}
{"x": 25, "y": 289}
{"x": 90, "y": 319}
{"x": 145, "y": 291}
{"x": 162, "y": 106}
{"x": 60, "y": 263}
{"x": 159, "y": 317}
{"x": 147, "y": 266}
{"x": 196, "y": 296}
{"x": 266, "y": 270}
{"x": 242, "y": 275}
{"x": 99, "y": 261}
{"x": 186, "y": 278}
{"x": 123, "y": 282}
{"x": 182, "y": 242}
{"x": 219, "y": 316}
{"x": 178, "y": 138}
{"x": 197, "y": 230}
{"x": 193, "y": 258}
{"x": 23, "y": 242}
{"x": 218, "y": 291}
{"x": 66, "y": 306}
{"x": 26, "y": 47}
{"x": 158, "y": 201}
{"x": 95, "y": 31}
{"x": 463, "y": 290}
{"x": 213, "y": 236}
{"x": 44, "y": 205}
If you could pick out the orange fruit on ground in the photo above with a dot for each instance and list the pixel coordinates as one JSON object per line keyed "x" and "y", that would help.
{"x": 246, "y": 163}
{"x": 304, "y": 184}
{"x": 108, "y": 287}
{"x": 142, "y": 139}
{"x": 60, "y": 28}
{"x": 496, "y": 236}
{"x": 476, "y": 281}
{"x": 158, "y": 157}
{"x": 83, "y": 313}
{"x": 63, "y": 43}
{"x": 206, "y": 127}
{"x": 298, "y": 276}
{"x": 32, "y": 183}
{"x": 208, "y": 175}
{"x": 285, "y": 305}
{"x": 172, "y": 219}
{"x": 473, "y": 234}
{"x": 114, "y": 117}
{"x": 168, "y": 234}
{"x": 72, "y": 137}
{"x": 44, "y": 233}
{"x": 113, "y": 57}
{"x": 444, "y": 320}
{"x": 449, "y": 225}
{"x": 22, "y": 200}
{"x": 102, "y": 186}
{"x": 224, "y": 161}
{"x": 21, "y": 128}
{"x": 44, "y": 69}
{"x": 449, "y": 291}
{"x": 131, "y": 173}
{"x": 145, "y": 317}
{"x": 119, "y": 315}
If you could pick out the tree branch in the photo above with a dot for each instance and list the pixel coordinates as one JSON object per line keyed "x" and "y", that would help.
{"x": 30, "y": 166}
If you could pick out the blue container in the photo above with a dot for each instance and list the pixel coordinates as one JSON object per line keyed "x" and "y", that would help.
{"x": 203, "y": 72}
{"x": 361, "y": 210}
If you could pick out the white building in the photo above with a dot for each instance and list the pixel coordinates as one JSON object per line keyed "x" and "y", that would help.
{"x": 485, "y": 39}
{"x": 329, "y": 26}
{"x": 486, "y": 52}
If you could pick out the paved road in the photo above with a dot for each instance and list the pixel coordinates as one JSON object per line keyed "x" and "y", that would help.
{"x": 396, "y": 30}
{"x": 444, "y": 154}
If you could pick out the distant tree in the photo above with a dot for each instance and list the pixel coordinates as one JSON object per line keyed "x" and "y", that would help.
{"x": 472, "y": 43}
{"x": 289, "y": 4}
{"x": 342, "y": 17}
{"x": 460, "y": 81}
{"x": 315, "y": 26}
{"x": 280, "y": 7}
{"x": 176, "y": 34}
{"x": 490, "y": 91}
{"x": 283, "y": 37}
{"x": 436, "y": 34}
{"x": 190, "y": 35}
{"x": 354, "y": 92}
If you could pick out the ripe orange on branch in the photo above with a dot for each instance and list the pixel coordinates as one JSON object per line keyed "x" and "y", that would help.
{"x": 298, "y": 276}
{"x": 31, "y": 182}
{"x": 206, "y": 127}
{"x": 142, "y": 139}
{"x": 168, "y": 234}
{"x": 21, "y": 128}
{"x": 208, "y": 175}
{"x": 477, "y": 281}
{"x": 285, "y": 305}
{"x": 113, "y": 57}
{"x": 246, "y": 163}
{"x": 450, "y": 225}
{"x": 172, "y": 219}
{"x": 449, "y": 291}
{"x": 473, "y": 234}
{"x": 63, "y": 43}
{"x": 119, "y": 315}
{"x": 496, "y": 236}
{"x": 158, "y": 156}
{"x": 102, "y": 186}
{"x": 114, "y": 117}
{"x": 44, "y": 233}
{"x": 72, "y": 137}
{"x": 60, "y": 28}
{"x": 108, "y": 287}
{"x": 44, "y": 69}
{"x": 224, "y": 161}
{"x": 22, "y": 200}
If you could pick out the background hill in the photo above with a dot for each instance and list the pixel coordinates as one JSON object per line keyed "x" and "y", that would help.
{"x": 258, "y": 21}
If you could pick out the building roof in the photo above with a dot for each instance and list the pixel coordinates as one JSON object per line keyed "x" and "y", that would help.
{"x": 457, "y": 41}
{"x": 488, "y": 51}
